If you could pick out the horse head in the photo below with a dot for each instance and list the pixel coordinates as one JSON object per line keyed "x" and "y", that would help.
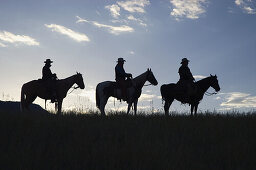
{"x": 79, "y": 80}
{"x": 151, "y": 78}
{"x": 214, "y": 83}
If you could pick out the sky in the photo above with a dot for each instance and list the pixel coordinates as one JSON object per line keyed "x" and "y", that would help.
{"x": 218, "y": 37}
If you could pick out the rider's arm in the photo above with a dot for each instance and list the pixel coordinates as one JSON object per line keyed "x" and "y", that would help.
{"x": 190, "y": 75}
{"x": 122, "y": 72}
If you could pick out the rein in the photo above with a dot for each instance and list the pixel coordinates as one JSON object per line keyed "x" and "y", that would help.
{"x": 210, "y": 94}
{"x": 147, "y": 78}
{"x": 148, "y": 84}
{"x": 73, "y": 88}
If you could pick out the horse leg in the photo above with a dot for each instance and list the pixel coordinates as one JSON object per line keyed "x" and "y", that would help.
{"x": 196, "y": 106}
{"x": 56, "y": 106}
{"x": 135, "y": 106}
{"x": 192, "y": 109}
{"x": 23, "y": 104}
{"x": 167, "y": 105}
{"x": 103, "y": 103}
{"x": 129, "y": 107}
{"x": 29, "y": 100}
{"x": 59, "y": 106}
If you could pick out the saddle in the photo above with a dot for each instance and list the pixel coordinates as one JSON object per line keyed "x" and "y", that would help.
{"x": 51, "y": 88}
{"x": 128, "y": 83}
{"x": 114, "y": 86}
{"x": 186, "y": 91}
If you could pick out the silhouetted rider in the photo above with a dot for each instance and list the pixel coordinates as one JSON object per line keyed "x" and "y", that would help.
{"x": 184, "y": 71}
{"x": 186, "y": 78}
{"x": 50, "y": 79}
{"x": 121, "y": 76}
{"x": 47, "y": 73}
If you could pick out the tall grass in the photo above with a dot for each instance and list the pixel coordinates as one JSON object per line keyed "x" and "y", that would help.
{"x": 89, "y": 141}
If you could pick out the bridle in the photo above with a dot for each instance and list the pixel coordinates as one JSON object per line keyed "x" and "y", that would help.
{"x": 210, "y": 94}
{"x": 147, "y": 79}
{"x": 74, "y": 88}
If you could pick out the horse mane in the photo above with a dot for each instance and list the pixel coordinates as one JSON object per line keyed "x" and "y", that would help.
{"x": 203, "y": 80}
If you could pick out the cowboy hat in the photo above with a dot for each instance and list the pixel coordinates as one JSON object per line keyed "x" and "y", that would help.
{"x": 120, "y": 60}
{"x": 184, "y": 60}
{"x": 48, "y": 61}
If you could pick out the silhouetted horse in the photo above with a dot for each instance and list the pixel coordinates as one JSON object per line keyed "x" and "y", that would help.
{"x": 36, "y": 88}
{"x": 106, "y": 89}
{"x": 169, "y": 93}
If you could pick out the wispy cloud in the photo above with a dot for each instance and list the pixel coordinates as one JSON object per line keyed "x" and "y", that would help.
{"x": 239, "y": 100}
{"x": 199, "y": 77}
{"x": 98, "y": 13}
{"x": 119, "y": 21}
{"x": 132, "y": 52}
{"x": 238, "y": 2}
{"x": 114, "y": 10}
{"x": 112, "y": 29}
{"x": 248, "y": 6}
{"x": 2, "y": 45}
{"x": 89, "y": 94}
{"x": 132, "y": 18}
{"x": 146, "y": 97}
{"x": 149, "y": 97}
{"x": 17, "y": 39}
{"x": 191, "y": 9}
{"x": 79, "y": 37}
{"x": 80, "y": 20}
{"x": 130, "y": 6}
{"x": 134, "y": 5}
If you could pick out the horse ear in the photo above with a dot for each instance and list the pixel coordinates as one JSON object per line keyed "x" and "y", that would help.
{"x": 148, "y": 69}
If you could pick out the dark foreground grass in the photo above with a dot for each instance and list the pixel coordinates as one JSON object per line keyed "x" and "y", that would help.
{"x": 35, "y": 141}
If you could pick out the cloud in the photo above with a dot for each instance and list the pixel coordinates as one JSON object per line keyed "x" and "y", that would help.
{"x": 199, "y": 77}
{"x": 218, "y": 98}
{"x": 124, "y": 108}
{"x": 114, "y": 10}
{"x": 116, "y": 30}
{"x": 134, "y": 5}
{"x": 149, "y": 97}
{"x": 89, "y": 94}
{"x": 132, "y": 18}
{"x": 79, "y": 37}
{"x": 119, "y": 21}
{"x": 239, "y": 100}
{"x": 17, "y": 39}
{"x": 146, "y": 97}
{"x": 238, "y": 2}
{"x": 191, "y": 9}
{"x": 248, "y": 6}
{"x": 80, "y": 20}
{"x": 98, "y": 13}
{"x": 2, "y": 45}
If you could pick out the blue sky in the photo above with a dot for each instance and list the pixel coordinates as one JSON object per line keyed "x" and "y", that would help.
{"x": 218, "y": 37}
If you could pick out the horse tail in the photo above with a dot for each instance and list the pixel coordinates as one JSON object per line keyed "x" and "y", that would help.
{"x": 162, "y": 90}
{"x": 97, "y": 97}
{"x": 22, "y": 99}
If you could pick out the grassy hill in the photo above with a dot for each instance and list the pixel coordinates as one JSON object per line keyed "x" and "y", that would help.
{"x": 14, "y": 106}
{"x": 75, "y": 141}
